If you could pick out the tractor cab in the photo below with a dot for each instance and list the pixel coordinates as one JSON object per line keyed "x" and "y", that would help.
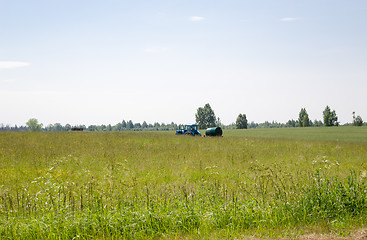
{"x": 188, "y": 130}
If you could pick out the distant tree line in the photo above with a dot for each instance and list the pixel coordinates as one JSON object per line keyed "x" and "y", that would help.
{"x": 329, "y": 116}
{"x": 121, "y": 126}
{"x": 33, "y": 125}
{"x": 205, "y": 118}
{"x": 131, "y": 126}
{"x": 13, "y": 128}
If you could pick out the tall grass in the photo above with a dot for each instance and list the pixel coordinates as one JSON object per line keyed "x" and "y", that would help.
{"x": 147, "y": 185}
{"x": 349, "y": 134}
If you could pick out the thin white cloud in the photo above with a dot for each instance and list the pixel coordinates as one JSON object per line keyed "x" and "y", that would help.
{"x": 196, "y": 18}
{"x": 12, "y": 64}
{"x": 289, "y": 19}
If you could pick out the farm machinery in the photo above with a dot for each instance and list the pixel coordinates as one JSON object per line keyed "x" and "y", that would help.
{"x": 214, "y": 132}
{"x": 189, "y": 130}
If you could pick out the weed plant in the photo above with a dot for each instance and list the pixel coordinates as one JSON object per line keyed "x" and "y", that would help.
{"x": 145, "y": 185}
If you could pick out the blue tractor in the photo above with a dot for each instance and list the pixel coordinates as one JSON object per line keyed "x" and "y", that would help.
{"x": 189, "y": 130}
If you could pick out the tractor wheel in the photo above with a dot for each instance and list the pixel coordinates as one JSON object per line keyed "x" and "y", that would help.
{"x": 188, "y": 134}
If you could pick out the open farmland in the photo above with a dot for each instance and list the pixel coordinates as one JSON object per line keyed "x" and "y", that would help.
{"x": 130, "y": 185}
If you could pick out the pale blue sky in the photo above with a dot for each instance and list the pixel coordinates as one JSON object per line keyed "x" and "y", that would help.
{"x": 99, "y": 62}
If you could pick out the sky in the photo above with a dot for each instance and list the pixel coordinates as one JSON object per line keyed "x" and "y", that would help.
{"x": 101, "y": 62}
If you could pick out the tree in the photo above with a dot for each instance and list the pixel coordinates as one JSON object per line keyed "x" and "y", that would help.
{"x": 130, "y": 124}
{"x": 303, "y": 119}
{"x": 102, "y": 127}
{"x": 218, "y": 122}
{"x": 330, "y": 118}
{"x": 123, "y": 124}
{"x": 291, "y": 123}
{"x": 117, "y": 127}
{"x": 205, "y": 117}
{"x": 49, "y": 127}
{"x": 326, "y": 115}
{"x": 317, "y": 123}
{"x": 58, "y": 127}
{"x": 173, "y": 125}
{"x": 253, "y": 125}
{"x": 33, "y": 125}
{"x": 67, "y": 127}
{"x": 241, "y": 122}
{"x": 92, "y": 128}
{"x": 357, "y": 121}
{"x": 306, "y": 121}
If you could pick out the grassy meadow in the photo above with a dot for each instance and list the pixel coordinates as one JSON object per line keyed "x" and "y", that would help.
{"x": 266, "y": 183}
{"x": 337, "y": 134}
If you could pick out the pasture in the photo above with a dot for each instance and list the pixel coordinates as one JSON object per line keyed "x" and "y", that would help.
{"x": 265, "y": 183}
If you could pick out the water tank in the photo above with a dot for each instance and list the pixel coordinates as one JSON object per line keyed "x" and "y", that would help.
{"x": 214, "y": 132}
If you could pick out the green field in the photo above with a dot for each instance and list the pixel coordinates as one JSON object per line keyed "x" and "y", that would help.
{"x": 266, "y": 183}
{"x": 336, "y": 134}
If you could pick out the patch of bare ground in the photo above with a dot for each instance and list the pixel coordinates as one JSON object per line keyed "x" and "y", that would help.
{"x": 355, "y": 235}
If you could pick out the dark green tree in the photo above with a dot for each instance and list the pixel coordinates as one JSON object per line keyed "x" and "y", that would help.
{"x": 330, "y": 118}
{"x": 303, "y": 119}
{"x": 129, "y": 124}
{"x": 326, "y": 115}
{"x": 291, "y": 123}
{"x": 205, "y": 117}
{"x": 241, "y": 121}
{"x": 306, "y": 121}
{"x": 123, "y": 124}
{"x": 92, "y": 128}
{"x": 33, "y": 125}
{"x": 357, "y": 121}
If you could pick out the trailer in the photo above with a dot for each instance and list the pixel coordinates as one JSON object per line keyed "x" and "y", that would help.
{"x": 214, "y": 132}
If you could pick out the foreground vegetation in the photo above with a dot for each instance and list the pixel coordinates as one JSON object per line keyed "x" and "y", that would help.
{"x": 128, "y": 185}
